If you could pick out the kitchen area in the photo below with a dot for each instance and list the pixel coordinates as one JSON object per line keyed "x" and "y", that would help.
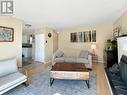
{"x": 32, "y": 49}
{"x": 28, "y": 49}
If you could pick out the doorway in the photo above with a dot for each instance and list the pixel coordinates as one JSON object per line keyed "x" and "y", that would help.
{"x": 33, "y": 47}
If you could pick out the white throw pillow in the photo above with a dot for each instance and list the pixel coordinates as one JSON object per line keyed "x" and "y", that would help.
{"x": 8, "y": 66}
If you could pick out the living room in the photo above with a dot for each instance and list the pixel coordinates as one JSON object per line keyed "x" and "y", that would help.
{"x": 78, "y": 36}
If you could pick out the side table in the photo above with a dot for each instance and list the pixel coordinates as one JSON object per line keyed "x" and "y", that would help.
{"x": 94, "y": 58}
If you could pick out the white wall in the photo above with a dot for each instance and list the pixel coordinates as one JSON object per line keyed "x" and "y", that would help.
{"x": 55, "y": 41}
{"x": 122, "y": 22}
{"x": 48, "y": 45}
{"x": 103, "y": 33}
{"x": 10, "y": 49}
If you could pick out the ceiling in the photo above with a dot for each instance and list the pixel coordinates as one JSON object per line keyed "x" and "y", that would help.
{"x": 61, "y": 14}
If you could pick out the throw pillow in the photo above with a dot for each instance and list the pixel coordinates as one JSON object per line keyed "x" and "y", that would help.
{"x": 84, "y": 54}
{"x": 114, "y": 68}
{"x": 59, "y": 54}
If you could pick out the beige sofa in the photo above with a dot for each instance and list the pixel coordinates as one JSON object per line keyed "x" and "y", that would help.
{"x": 10, "y": 77}
{"x": 83, "y": 57}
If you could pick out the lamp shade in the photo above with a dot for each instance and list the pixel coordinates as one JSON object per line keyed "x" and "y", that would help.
{"x": 93, "y": 46}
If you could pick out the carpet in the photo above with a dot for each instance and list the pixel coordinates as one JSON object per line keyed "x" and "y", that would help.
{"x": 40, "y": 86}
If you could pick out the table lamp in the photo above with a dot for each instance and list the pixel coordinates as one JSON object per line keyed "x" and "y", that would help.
{"x": 93, "y": 47}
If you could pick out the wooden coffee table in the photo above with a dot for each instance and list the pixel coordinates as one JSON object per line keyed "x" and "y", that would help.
{"x": 70, "y": 71}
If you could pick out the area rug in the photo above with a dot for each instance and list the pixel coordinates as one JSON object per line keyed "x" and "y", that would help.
{"x": 40, "y": 86}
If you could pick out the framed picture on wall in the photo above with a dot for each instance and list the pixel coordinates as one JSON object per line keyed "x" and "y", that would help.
{"x": 87, "y": 36}
{"x": 73, "y": 37}
{"x": 94, "y": 36}
{"x": 6, "y": 34}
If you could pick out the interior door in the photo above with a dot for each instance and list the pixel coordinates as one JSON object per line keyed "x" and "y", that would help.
{"x": 39, "y": 47}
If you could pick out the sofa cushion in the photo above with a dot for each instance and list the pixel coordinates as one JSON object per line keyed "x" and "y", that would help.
{"x": 10, "y": 80}
{"x": 8, "y": 66}
{"x": 59, "y": 54}
{"x": 84, "y": 54}
{"x": 70, "y": 60}
{"x": 82, "y": 60}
